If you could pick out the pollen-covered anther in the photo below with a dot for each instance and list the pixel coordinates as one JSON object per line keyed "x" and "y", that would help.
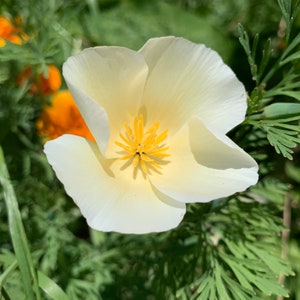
{"x": 144, "y": 147}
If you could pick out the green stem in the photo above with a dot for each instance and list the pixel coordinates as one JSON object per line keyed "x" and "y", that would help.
{"x": 18, "y": 236}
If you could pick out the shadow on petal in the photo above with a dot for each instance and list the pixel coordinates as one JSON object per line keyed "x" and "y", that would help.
{"x": 104, "y": 162}
{"x": 166, "y": 199}
{"x": 214, "y": 150}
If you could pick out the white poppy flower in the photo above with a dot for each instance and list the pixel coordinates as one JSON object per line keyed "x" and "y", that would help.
{"x": 159, "y": 117}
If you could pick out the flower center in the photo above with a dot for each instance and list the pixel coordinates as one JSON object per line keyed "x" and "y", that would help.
{"x": 144, "y": 147}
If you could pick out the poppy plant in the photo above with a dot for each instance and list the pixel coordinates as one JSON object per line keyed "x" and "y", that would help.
{"x": 159, "y": 117}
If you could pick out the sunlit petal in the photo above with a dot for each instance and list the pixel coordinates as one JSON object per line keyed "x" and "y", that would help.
{"x": 204, "y": 166}
{"x": 111, "y": 77}
{"x": 187, "y": 79}
{"x": 109, "y": 198}
{"x": 94, "y": 115}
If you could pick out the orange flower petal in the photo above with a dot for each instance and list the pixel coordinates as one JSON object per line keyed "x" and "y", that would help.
{"x": 62, "y": 117}
{"x": 46, "y": 84}
{"x": 9, "y": 32}
{"x": 52, "y": 82}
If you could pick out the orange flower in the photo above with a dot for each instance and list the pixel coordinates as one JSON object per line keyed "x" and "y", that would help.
{"x": 46, "y": 84}
{"x": 62, "y": 117}
{"x": 8, "y": 32}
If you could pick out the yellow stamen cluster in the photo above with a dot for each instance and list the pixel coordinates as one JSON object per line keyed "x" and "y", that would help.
{"x": 143, "y": 147}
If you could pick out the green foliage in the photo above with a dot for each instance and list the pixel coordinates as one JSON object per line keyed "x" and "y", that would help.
{"x": 281, "y": 129}
{"x": 228, "y": 249}
{"x": 18, "y": 236}
{"x": 289, "y": 13}
{"x": 281, "y": 134}
{"x": 241, "y": 265}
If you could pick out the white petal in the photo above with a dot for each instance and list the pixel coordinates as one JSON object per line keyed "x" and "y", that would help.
{"x": 187, "y": 79}
{"x": 109, "y": 200}
{"x": 204, "y": 166}
{"x": 113, "y": 78}
{"x": 95, "y": 116}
